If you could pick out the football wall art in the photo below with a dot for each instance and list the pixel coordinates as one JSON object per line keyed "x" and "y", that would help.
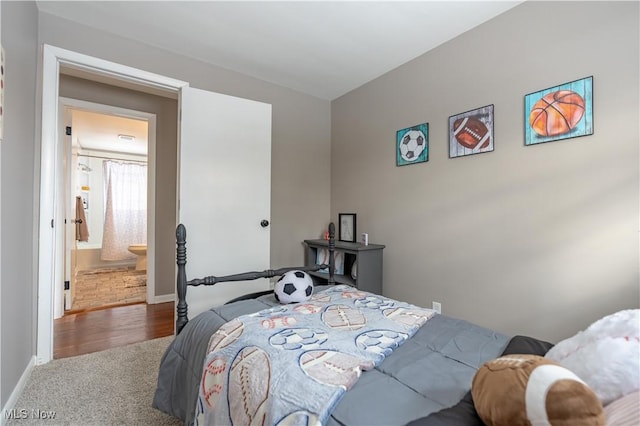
{"x": 471, "y": 132}
{"x": 412, "y": 145}
{"x": 560, "y": 112}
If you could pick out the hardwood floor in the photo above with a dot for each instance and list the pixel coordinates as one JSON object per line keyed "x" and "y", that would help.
{"x": 99, "y": 329}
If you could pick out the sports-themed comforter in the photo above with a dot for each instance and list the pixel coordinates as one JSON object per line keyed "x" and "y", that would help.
{"x": 428, "y": 372}
{"x": 257, "y": 364}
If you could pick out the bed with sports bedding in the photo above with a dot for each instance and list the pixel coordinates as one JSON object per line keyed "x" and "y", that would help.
{"x": 342, "y": 356}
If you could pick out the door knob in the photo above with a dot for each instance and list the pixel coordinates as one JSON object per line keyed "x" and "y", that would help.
{"x": 264, "y": 223}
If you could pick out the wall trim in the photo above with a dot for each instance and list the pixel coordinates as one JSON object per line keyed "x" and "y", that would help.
{"x": 163, "y": 298}
{"x": 17, "y": 391}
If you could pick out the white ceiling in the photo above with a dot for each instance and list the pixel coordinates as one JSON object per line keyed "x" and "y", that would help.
{"x": 324, "y": 49}
{"x": 97, "y": 134}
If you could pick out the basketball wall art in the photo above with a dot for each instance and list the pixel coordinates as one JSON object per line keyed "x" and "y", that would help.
{"x": 560, "y": 112}
{"x": 471, "y": 132}
{"x": 412, "y": 145}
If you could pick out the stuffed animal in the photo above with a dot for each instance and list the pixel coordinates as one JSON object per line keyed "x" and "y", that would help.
{"x": 529, "y": 390}
{"x": 606, "y": 355}
{"x": 293, "y": 287}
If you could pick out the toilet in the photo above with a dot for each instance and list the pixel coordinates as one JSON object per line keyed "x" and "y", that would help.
{"x": 140, "y": 250}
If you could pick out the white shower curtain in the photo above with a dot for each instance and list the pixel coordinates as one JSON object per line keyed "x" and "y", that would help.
{"x": 125, "y": 217}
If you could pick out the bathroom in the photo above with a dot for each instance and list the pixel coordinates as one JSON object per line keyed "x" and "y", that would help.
{"x": 106, "y": 262}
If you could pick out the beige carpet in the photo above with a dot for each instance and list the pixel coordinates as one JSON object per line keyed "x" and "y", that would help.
{"x": 112, "y": 387}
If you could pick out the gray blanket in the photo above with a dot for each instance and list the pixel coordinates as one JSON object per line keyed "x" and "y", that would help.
{"x": 431, "y": 371}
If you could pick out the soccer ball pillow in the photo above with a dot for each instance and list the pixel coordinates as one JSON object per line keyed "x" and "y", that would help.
{"x": 293, "y": 287}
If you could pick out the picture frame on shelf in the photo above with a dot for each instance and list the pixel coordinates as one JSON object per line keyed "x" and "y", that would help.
{"x": 347, "y": 227}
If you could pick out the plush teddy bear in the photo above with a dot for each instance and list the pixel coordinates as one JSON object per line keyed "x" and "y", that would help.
{"x": 606, "y": 355}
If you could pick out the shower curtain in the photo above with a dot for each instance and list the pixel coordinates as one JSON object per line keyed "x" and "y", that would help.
{"x": 125, "y": 217}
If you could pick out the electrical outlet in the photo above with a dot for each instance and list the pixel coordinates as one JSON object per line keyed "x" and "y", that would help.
{"x": 436, "y": 306}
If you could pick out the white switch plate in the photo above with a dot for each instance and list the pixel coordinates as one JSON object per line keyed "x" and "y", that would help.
{"x": 436, "y": 306}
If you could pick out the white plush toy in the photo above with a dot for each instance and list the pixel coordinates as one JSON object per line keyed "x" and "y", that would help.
{"x": 606, "y": 355}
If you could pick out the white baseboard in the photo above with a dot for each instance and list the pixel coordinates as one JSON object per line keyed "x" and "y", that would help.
{"x": 17, "y": 391}
{"x": 163, "y": 299}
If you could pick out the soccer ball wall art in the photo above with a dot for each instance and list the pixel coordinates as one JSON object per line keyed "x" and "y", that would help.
{"x": 412, "y": 145}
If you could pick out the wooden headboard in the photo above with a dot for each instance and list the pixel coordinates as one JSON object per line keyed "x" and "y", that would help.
{"x": 182, "y": 282}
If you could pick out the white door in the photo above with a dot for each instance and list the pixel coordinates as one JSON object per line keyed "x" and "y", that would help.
{"x": 224, "y": 192}
{"x": 70, "y": 185}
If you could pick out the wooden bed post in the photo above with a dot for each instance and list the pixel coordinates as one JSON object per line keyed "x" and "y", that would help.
{"x": 181, "y": 259}
{"x": 332, "y": 248}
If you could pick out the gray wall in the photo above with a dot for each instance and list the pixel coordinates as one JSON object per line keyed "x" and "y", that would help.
{"x": 166, "y": 111}
{"x": 18, "y": 276}
{"x": 538, "y": 240}
{"x": 300, "y": 157}
{"x": 300, "y": 132}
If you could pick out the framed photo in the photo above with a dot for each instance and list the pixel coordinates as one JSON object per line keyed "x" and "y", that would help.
{"x": 412, "y": 145}
{"x": 559, "y": 112}
{"x": 347, "y": 227}
{"x": 471, "y": 132}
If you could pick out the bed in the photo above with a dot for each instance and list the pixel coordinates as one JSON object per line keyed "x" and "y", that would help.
{"x": 425, "y": 379}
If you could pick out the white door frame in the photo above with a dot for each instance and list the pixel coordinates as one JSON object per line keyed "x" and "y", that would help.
{"x": 76, "y": 104}
{"x": 49, "y": 234}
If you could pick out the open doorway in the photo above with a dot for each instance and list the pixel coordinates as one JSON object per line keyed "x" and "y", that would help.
{"x": 107, "y": 177}
{"x": 180, "y": 173}
{"x": 51, "y": 210}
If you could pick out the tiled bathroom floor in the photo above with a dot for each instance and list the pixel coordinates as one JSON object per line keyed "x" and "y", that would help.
{"x": 109, "y": 287}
